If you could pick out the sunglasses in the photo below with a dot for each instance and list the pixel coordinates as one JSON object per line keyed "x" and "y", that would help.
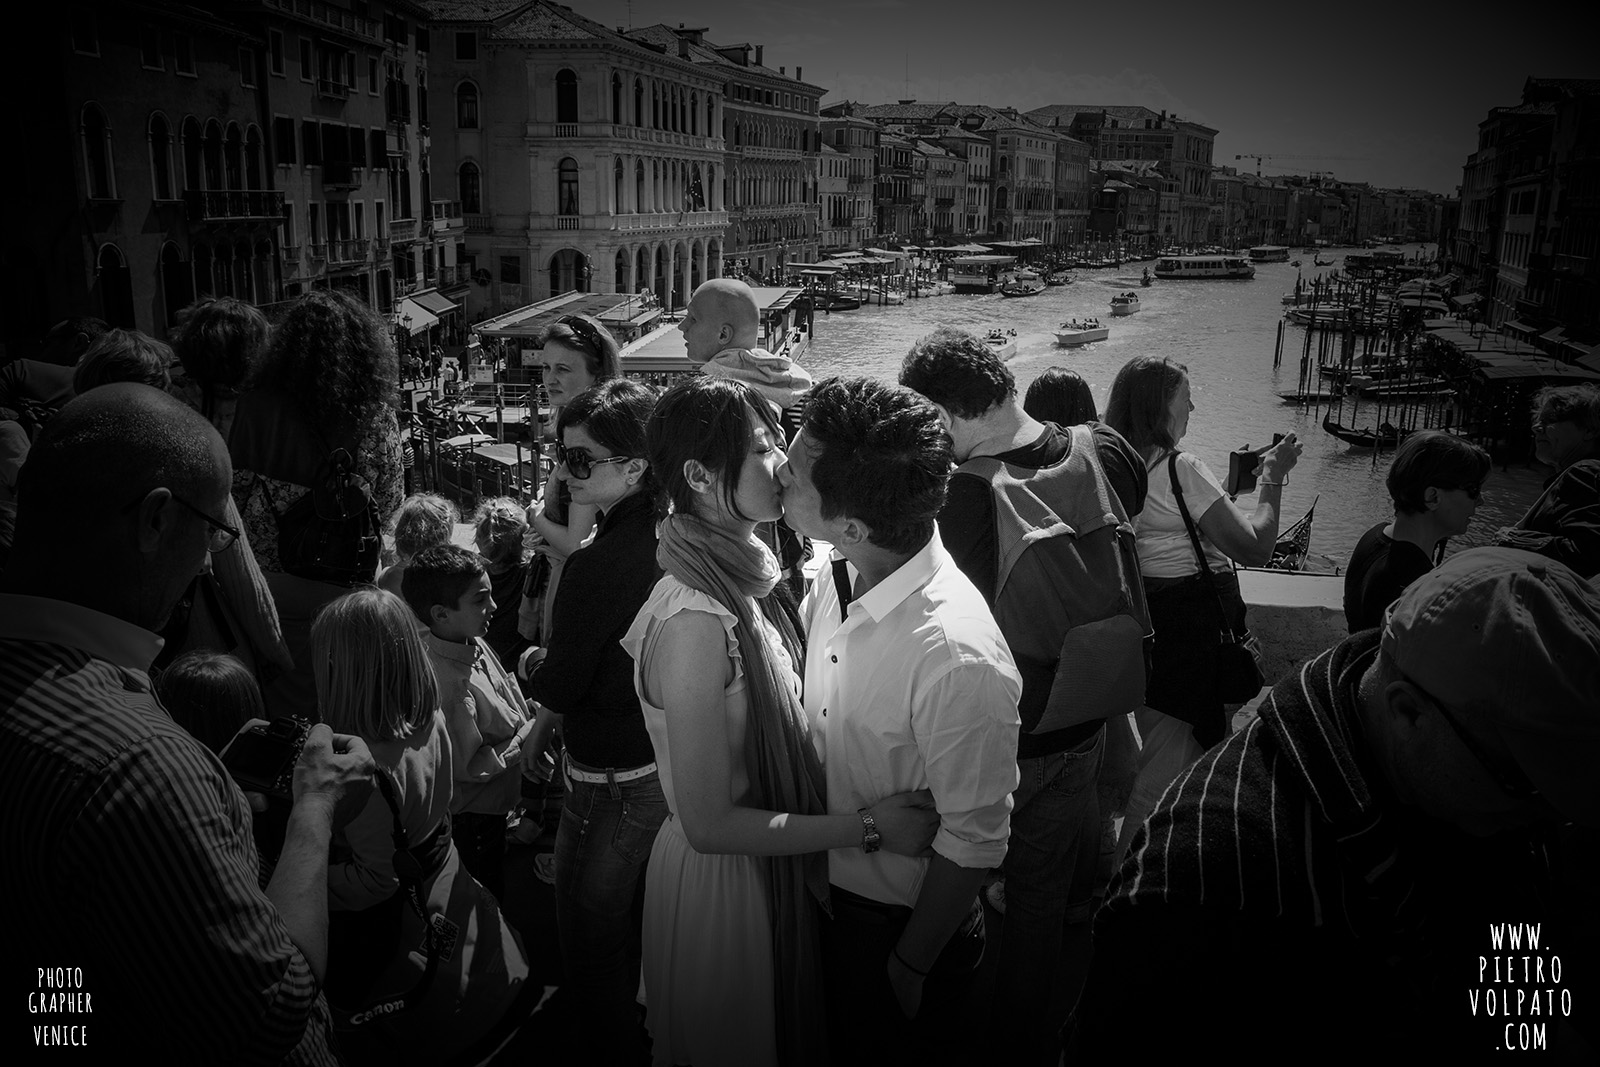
{"x": 578, "y": 463}
{"x": 1506, "y": 774}
{"x": 585, "y": 330}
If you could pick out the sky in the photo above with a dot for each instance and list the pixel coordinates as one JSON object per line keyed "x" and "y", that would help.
{"x": 1387, "y": 93}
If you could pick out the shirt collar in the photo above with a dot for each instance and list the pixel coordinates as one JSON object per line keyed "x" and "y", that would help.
{"x": 460, "y": 652}
{"x": 910, "y": 576}
{"x": 60, "y": 622}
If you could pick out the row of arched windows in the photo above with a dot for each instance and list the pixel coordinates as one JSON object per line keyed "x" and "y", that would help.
{"x": 241, "y": 269}
{"x": 665, "y": 185}
{"x": 211, "y": 157}
{"x": 770, "y": 135}
{"x": 660, "y": 106}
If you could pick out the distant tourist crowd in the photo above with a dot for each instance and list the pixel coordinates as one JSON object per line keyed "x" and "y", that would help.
{"x": 846, "y": 721}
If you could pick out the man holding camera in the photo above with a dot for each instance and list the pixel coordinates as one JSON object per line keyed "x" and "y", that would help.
{"x": 130, "y": 873}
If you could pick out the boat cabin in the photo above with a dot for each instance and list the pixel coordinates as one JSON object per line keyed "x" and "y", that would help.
{"x": 980, "y": 274}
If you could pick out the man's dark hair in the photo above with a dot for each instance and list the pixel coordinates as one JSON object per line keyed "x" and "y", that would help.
{"x": 958, "y": 371}
{"x": 1431, "y": 458}
{"x": 123, "y": 356}
{"x": 882, "y": 457}
{"x": 66, "y": 342}
{"x": 439, "y": 575}
{"x": 219, "y": 340}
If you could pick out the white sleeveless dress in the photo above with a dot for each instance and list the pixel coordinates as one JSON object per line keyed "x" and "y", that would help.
{"x": 708, "y": 970}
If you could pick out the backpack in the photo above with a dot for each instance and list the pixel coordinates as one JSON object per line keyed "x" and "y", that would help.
{"x": 1068, "y": 595}
{"x": 332, "y": 533}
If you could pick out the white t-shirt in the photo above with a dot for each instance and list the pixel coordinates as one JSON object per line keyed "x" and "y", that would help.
{"x": 1165, "y": 550}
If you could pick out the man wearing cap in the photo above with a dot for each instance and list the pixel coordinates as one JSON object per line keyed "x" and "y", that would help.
{"x": 1333, "y": 875}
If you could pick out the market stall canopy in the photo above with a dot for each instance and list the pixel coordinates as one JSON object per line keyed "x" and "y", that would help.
{"x": 624, "y": 312}
{"x": 414, "y": 317}
{"x": 1466, "y": 300}
{"x": 886, "y": 253}
{"x": 434, "y": 301}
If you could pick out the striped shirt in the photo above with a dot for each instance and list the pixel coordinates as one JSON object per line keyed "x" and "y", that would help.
{"x": 128, "y": 858}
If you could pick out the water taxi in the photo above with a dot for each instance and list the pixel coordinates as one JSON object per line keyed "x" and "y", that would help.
{"x": 1076, "y": 332}
{"x": 1125, "y": 303}
{"x": 1212, "y": 266}
{"x": 1004, "y": 342}
{"x": 1269, "y": 254}
{"x": 979, "y": 274}
{"x": 1023, "y": 283}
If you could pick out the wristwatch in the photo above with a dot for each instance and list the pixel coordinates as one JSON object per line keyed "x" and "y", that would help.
{"x": 871, "y": 840}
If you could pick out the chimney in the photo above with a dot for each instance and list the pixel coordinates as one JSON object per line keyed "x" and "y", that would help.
{"x": 759, "y": 50}
{"x": 797, "y": 75}
{"x": 683, "y": 48}
{"x": 783, "y": 70}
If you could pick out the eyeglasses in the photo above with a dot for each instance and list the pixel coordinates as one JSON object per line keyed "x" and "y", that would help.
{"x": 221, "y": 534}
{"x": 1506, "y": 774}
{"x": 578, "y": 463}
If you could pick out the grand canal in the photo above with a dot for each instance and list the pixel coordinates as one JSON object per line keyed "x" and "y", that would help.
{"x": 1225, "y": 332}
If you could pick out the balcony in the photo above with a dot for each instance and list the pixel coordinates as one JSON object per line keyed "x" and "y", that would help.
{"x": 666, "y": 221}
{"x": 395, "y": 142}
{"x": 329, "y": 89}
{"x": 479, "y": 223}
{"x": 452, "y": 276}
{"x": 380, "y": 245}
{"x": 318, "y": 250}
{"x": 341, "y": 176}
{"x": 568, "y": 222}
{"x": 234, "y": 205}
{"x": 447, "y": 218}
{"x": 566, "y": 129}
{"x": 403, "y": 231}
{"x": 348, "y": 252}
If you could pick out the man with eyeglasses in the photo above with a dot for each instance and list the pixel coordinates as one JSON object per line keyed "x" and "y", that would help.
{"x": 1328, "y": 877}
{"x": 128, "y": 856}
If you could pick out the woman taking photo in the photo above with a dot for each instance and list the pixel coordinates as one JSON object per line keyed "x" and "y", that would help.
{"x": 576, "y": 354}
{"x": 1149, "y": 405}
{"x": 373, "y": 679}
{"x": 613, "y": 804}
{"x": 730, "y": 929}
{"x": 1564, "y": 523}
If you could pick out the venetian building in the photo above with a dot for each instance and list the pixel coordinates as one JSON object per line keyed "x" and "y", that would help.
{"x": 583, "y": 159}
{"x": 833, "y": 188}
{"x": 857, "y": 137}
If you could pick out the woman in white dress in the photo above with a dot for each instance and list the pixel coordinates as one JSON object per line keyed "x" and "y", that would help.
{"x": 740, "y": 865}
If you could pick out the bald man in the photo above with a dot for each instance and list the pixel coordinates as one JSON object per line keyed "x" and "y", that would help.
{"x": 722, "y": 330}
{"x": 130, "y": 866}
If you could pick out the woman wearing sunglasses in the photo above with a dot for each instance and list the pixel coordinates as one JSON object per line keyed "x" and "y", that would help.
{"x": 576, "y": 353}
{"x": 1435, "y": 482}
{"x": 614, "y": 804}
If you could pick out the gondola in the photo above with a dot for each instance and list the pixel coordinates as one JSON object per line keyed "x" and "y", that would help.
{"x": 1387, "y": 436}
{"x": 1294, "y": 544}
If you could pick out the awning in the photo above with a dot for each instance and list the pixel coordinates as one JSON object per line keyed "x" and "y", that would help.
{"x": 434, "y": 301}
{"x": 1466, "y": 301}
{"x": 1554, "y": 336}
{"x": 1518, "y": 327}
{"x": 414, "y": 317}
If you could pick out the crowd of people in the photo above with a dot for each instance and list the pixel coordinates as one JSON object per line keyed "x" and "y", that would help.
{"x": 265, "y": 718}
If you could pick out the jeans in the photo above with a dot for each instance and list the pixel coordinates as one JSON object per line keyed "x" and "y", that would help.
{"x": 602, "y": 846}
{"x": 1050, "y": 867}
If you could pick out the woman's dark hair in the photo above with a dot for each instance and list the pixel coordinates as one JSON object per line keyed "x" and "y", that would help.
{"x": 958, "y": 371}
{"x": 882, "y": 457}
{"x": 615, "y": 413}
{"x": 333, "y": 353}
{"x": 211, "y": 695}
{"x": 1060, "y": 396}
{"x": 585, "y": 334}
{"x": 713, "y": 422}
{"x": 1431, "y": 458}
{"x": 218, "y": 341}
{"x": 1139, "y": 407}
{"x": 123, "y": 356}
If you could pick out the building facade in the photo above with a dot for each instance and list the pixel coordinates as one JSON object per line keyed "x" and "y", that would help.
{"x": 857, "y": 138}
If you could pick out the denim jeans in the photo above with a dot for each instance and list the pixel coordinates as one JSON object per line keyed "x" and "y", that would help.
{"x": 602, "y": 846}
{"x": 1050, "y": 866}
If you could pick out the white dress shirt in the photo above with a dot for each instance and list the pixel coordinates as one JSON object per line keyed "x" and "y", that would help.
{"x": 914, "y": 688}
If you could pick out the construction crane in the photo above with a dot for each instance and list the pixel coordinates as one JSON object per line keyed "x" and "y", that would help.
{"x": 1262, "y": 158}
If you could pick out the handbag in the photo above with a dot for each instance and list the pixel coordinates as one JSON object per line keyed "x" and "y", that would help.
{"x": 1238, "y": 676}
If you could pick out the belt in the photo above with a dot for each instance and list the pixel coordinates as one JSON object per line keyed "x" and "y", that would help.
{"x": 607, "y": 777}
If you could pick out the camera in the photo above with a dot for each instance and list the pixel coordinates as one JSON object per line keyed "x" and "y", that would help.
{"x": 1242, "y": 463}
{"x": 262, "y": 755}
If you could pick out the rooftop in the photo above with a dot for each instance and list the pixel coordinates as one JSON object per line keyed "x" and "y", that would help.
{"x": 470, "y": 10}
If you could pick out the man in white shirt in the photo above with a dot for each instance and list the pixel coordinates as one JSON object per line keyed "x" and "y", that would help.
{"x": 909, "y": 685}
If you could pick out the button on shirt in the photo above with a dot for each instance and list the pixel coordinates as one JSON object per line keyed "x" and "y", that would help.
{"x": 912, "y": 687}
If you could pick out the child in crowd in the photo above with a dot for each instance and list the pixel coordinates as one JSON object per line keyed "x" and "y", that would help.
{"x": 448, "y": 589}
{"x": 422, "y": 521}
{"x": 211, "y": 695}
{"x": 501, "y": 530}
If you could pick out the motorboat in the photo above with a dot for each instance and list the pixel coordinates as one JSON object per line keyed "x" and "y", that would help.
{"x": 1216, "y": 265}
{"x": 833, "y": 301}
{"x": 1058, "y": 277}
{"x": 1004, "y": 342}
{"x": 1125, "y": 303}
{"x": 1270, "y": 254}
{"x": 1023, "y": 283}
{"x": 1076, "y": 332}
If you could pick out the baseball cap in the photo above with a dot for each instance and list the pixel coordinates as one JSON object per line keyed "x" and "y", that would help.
{"x": 1515, "y": 637}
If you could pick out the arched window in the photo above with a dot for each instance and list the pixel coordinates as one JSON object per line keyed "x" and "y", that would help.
{"x": 567, "y": 187}
{"x": 638, "y": 102}
{"x": 467, "y": 106}
{"x": 469, "y": 188}
{"x": 252, "y": 158}
{"x": 681, "y": 124}
{"x": 191, "y": 154}
{"x": 233, "y": 158}
{"x": 161, "y": 157}
{"x": 638, "y": 186}
{"x": 202, "y": 271}
{"x": 694, "y": 113}
{"x": 212, "y": 155}
{"x": 1000, "y": 199}
{"x": 115, "y": 283}
{"x": 97, "y": 157}
{"x": 177, "y": 287}
{"x": 566, "y": 96}
{"x": 711, "y": 109}
{"x": 616, "y": 97}
{"x": 655, "y": 106}
{"x": 616, "y": 188}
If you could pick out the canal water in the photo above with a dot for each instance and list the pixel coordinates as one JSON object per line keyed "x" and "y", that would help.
{"x": 1224, "y": 331}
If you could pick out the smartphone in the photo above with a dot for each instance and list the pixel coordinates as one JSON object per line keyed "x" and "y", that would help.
{"x": 1242, "y": 464}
